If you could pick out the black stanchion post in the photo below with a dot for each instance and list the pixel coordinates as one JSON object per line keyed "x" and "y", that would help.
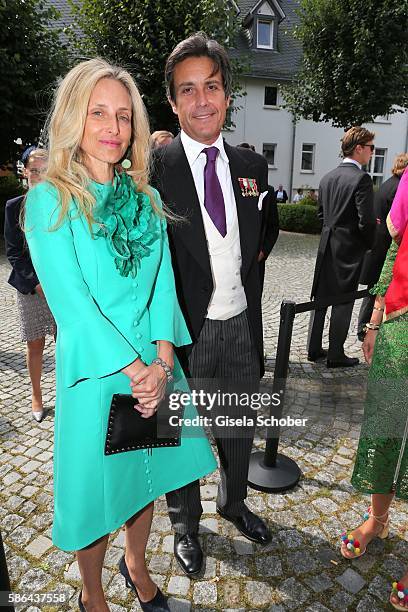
{"x": 4, "y": 581}
{"x": 271, "y": 471}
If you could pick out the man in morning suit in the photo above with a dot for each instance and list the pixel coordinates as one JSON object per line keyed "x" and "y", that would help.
{"x": 346, "y": 210}
{"x": 218, "y": 190}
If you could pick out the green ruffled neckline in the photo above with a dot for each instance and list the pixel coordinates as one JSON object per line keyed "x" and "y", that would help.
{"x": 124, "y": 218}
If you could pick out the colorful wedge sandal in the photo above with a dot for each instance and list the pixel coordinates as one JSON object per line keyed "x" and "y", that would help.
{"x": 401, "y": 593}
{"x": 350, "y": 543}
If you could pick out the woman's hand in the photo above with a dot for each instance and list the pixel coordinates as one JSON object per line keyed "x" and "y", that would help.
{"x": 368, "y": 344}
{"x": 148, "y": 387}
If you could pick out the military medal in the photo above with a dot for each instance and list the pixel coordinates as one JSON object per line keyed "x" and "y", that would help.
{"x": 248, "y": 187}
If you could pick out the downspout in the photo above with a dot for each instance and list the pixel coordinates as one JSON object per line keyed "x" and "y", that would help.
{"x": 292, "y": 157}
{"x": 406, "y": 135}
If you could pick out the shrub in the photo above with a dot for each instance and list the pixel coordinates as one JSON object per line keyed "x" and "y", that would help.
{"x": 299, "y": 218}
{"x": 10, "y": 187}
{"x": 308, "y": 201}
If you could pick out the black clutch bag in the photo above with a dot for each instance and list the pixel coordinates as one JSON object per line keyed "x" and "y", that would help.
{"x": 128, "y": 430}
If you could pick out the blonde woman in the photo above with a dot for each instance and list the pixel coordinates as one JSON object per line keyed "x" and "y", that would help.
{"x": 36, "y": 320}
{"x": 97, "y": 238}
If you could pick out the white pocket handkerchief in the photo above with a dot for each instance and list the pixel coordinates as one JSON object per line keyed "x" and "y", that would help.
{"x": 261, "y": 197}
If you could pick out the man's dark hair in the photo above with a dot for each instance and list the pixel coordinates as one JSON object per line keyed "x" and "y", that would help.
{"x": 199, "y": 45}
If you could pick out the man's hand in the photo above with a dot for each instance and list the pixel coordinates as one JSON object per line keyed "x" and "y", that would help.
{"x": 261, "y": 256}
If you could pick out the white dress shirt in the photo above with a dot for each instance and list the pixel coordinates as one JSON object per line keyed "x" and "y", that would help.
{"x": 349, "y": 160}
{"x": 228, "y": 299}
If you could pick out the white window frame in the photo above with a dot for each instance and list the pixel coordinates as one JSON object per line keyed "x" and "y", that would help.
{"x": 270, "y": 22}
{"x": 313, "y": 152}
{"x": 371, "y": 164}
{"x": 277, "y": 97}
{"x": 274, "y": 145}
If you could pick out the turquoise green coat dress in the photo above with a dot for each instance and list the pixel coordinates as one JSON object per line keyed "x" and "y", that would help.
{"x": 112, "y": 295}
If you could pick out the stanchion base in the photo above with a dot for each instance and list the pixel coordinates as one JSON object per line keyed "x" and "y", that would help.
{"x": 285, "y": 475}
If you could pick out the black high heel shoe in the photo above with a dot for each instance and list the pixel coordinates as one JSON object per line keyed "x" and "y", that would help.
{"x": 159, "y": 601}
{"x": 80, "y": 604}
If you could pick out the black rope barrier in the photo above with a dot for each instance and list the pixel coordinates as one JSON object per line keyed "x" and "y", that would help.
{"x": 269, "y": 470}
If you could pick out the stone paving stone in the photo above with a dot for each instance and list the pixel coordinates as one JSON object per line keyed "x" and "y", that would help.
{"x": 209, "y": 525}
{"x": 319, "y": 583}
{"x": 204, "y": 593}
{"x": 258, "y": 593}
{"x": 290, "y": 538}
{"x": 231, "y": 592}
{"x": 301, "y": 562}
{"x": 178, "y": 585}
{"x": 160, "y": 563}
{"x": 209, "y": 507}
{"x": 39, "y": 546}
{"x": 292, "y": 593}
{"x": 268, "y": 566}
{"x": 380, "y": 587}
{"x": 242, "y": 546}
{"x": 351, "y": 581}
{"x": 342, "y": 601}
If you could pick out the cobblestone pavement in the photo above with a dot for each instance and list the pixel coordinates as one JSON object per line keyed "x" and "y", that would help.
{"x": 300, "y": 569}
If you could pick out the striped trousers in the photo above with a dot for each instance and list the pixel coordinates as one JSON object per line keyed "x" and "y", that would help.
{"x": 224, "y": 359}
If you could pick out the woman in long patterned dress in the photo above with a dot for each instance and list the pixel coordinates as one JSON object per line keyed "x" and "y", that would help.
{"x": 98, "y": 241}
{"x": 381, "y": 467}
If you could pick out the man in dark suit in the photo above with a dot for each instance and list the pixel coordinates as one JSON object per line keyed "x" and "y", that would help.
{"x": 374, "y": 261}
{"x": 218, "y": 190}
{"x": 346, "y": 211}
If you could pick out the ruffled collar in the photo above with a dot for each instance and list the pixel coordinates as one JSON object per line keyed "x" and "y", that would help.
{"x": 124, "y": 218}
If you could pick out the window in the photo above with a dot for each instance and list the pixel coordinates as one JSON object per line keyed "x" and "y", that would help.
{"x": 308, "y": 151}
{"x": 271, "y": 96}
{"x": 268, "y": 151}
{"x": 264, "y": 34}
{"x": 376, "y": 167}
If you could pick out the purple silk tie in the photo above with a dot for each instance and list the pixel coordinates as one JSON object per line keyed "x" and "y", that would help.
{"x": 213, "y": 198}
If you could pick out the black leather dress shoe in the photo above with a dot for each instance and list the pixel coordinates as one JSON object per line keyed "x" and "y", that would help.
{"x": 250, "y": 525}
{"x": 322, "y": 354}
{"x": 344, "y": 362}
{"x": 187, "y": 550}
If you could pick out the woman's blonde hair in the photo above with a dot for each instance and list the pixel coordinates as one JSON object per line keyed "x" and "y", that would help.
{"x": 65, "y": 128}
{"x": 400, "y": 163}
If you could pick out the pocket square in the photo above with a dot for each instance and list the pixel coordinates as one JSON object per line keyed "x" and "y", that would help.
{"x": 260, "y": 201}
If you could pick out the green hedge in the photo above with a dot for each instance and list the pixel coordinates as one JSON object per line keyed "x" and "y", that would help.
{"x": 299, "y": 218}
{"x": 10, "y": 187}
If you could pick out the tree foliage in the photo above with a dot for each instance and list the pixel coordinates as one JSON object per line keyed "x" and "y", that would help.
{"x": 140, "y": 34}
{"x": 31, "y": 59}
{"x": 355, "y": 60}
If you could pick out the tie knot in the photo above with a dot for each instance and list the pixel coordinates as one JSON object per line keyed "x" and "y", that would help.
{"x": 211, "y": 153}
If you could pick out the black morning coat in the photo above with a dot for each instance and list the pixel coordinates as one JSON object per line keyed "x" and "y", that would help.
{"x": 171, "y": 175}
{"x": 375, "y": 258}
{"x": 346, "y": 210}
{"x": 23, "y": 276}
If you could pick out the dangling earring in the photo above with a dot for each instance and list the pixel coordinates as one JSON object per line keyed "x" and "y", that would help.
{"x": 126, "y": 163}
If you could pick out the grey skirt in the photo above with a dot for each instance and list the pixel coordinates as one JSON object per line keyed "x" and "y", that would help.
{"x": 36, "y": 320}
